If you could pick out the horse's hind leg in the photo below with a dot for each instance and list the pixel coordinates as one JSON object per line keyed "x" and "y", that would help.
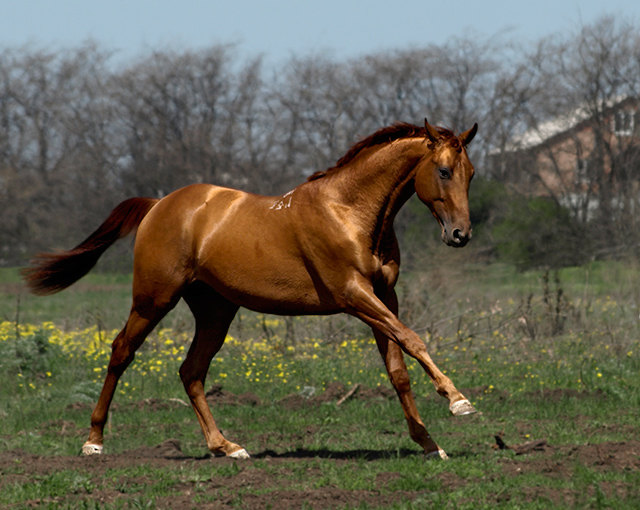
{"x": 213, "y": 315}
{"x": 142, "y": 319}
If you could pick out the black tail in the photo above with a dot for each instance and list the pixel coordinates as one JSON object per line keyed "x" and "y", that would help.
{"x": 52, "y": 272}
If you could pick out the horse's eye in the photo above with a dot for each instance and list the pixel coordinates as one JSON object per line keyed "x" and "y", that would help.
{"x": 445, "y": 173}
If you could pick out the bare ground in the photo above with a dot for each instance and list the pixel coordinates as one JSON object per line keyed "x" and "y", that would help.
{"x": 269, "y": 491}
{"x": 265, "y": 481}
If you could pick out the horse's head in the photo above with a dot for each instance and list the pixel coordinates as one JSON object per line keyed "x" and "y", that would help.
{"x": 442, "y": 182}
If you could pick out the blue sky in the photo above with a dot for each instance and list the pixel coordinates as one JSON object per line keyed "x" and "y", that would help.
{"x": 280, "y": 29}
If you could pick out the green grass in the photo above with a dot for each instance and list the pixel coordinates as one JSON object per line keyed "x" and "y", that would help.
{"x": 538, "y": 363}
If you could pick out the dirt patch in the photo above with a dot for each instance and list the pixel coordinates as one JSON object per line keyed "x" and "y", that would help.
{"x": 61, "y": 427}
{"x": 263, "y": 481}
{"x": 560, "y": 461}
{"x": 323, "y": 498}
{"x": 284, "y": 478}
{"x": 617, "y": 456}
{"x": 169, "y": 449}
{"x": 248, "y": 487}
{"x": 538, "y": 445}
{"x": 217, "y": 395}
{"x": 335, "y": 393}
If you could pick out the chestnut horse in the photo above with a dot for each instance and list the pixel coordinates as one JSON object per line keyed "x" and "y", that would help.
{"x": 328, "y": 246}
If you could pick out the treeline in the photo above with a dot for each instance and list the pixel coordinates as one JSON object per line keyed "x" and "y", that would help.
{"x": 79, "y": 134}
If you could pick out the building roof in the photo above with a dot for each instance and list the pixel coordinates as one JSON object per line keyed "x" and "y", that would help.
{"x": 546, "y": 130}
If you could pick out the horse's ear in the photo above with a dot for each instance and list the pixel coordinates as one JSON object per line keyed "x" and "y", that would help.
{"x": 432, "y": 133}
{"x": 467, "y": 136}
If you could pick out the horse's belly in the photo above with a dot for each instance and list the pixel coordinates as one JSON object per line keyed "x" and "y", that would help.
{"x": 266, "y": 281}
{"x": 269, "y": 292}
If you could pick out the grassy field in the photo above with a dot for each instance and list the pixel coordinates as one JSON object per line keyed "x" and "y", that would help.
{"x": 550, "y": 359}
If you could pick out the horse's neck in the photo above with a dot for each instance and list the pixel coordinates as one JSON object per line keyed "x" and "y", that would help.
{"x": 377, "y": 183}
{"x": 381, "y": 180}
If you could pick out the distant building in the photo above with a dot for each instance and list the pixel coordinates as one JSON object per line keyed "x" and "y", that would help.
{"x": 580, "y": 158}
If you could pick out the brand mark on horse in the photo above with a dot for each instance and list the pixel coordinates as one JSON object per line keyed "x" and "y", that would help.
{"x": 284, "y": 202}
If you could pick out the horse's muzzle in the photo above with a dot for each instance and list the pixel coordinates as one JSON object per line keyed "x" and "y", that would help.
{"x": 457, "y": 237}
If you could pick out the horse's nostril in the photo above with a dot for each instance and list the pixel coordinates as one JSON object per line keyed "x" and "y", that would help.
{"x": 459, "y": 236}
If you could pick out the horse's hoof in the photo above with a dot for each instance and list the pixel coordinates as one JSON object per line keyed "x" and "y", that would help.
{"x": 437, "y": 454}
{"x": 91, "y": 449}
{"x": 240, "y": 454}
{"x": 462, "y": 407}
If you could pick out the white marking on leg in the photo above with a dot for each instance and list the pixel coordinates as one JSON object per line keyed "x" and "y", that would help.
{"x": 461, "y": 408}
{"x": 91, "y": 449}
{"x": 240, "y": 454}
{"x": 437, "y": 454}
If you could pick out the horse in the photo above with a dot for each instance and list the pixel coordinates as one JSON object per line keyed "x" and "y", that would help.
{"x": 328, "y": 246}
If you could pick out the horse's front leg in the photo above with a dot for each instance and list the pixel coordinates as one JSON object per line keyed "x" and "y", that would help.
{"x": 399, "y": 376}
{"x": 364, "y": 304}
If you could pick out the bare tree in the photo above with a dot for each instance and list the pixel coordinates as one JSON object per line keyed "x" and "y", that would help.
{"x": 46, "y": 134}
{"x": 77, "y": 134}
